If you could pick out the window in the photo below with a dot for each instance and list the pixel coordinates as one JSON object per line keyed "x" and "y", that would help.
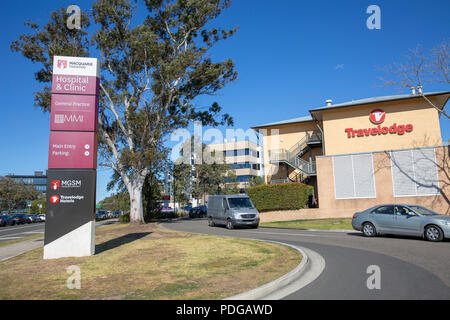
{"x": 354, "y": 176}
{"x": 243, "y": 178}
{"x": 230, "y": 153}
{"x": 245, "y": 165}
{"x": 414, "y": 173}
{"x": 384, "y": 210}
{"x": 224, "y": 204}
{"x": 240, "y": 203}
{"x": 424, "y": 211}
{"x": 39, "y": 181}
{"x": 402, "y": 211}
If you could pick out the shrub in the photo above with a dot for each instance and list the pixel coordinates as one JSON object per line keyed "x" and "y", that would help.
{"x": 273, "y": 197}
{"x": 124, "y": 218}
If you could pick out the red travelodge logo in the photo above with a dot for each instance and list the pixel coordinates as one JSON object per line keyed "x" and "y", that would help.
{"x": 54, "y": 199}
{"x": 377, "y": 116}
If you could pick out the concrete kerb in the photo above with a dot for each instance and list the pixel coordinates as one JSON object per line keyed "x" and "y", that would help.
{"x": 309, "y": 269}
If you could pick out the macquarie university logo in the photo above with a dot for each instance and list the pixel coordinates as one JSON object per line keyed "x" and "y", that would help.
{"x": 377, "y": 116}
{"x": 62, "y": 64}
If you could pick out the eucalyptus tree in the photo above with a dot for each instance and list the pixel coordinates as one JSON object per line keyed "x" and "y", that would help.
{"x": 152, "y": 71}
{"x": 418, "y": 69}
{"x": 14, "y": 194}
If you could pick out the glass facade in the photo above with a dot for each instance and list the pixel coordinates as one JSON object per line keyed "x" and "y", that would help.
{"x": 38, "y": 181}
{"x": 241, "y": 152}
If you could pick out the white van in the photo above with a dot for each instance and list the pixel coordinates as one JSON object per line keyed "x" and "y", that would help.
{"x": 232, "y": 211}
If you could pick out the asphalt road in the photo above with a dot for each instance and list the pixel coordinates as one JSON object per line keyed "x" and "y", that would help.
{"x": 20, "y": 231}
{"x": 24, "y": 230}
{"x": 410, "y": 268}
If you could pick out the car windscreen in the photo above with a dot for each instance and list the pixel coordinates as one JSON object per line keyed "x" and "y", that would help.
{"x": 240, "y": 203}
{"x": 424, "y": 211}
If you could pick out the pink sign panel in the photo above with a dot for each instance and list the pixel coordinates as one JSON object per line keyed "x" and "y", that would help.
{"x": 73, "y": 113}
{"x": 75, "y": 84}
{"x": 72, "y": 150}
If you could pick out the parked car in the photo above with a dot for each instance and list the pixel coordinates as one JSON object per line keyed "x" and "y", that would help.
{"x": 20, "y": 218}
{"x": 42, "y": 217}
{"x": 167, "y": 210}
{"x": 101, "y": 215}
{"x": 33, "y": 218}
{"x": 203, "y": 210}
{"x": 37, "y": 218}
{"x": 232, "y": 211}
{"x": 402, "y": 219}
{"x": 193, "y": 213}
{"x": 198, "y": 212}
{"x": 6, "y": 220}
{"x": 117, "y": 214}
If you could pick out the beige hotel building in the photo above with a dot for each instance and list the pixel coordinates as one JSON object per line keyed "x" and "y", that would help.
{"x": 364, "y": 152}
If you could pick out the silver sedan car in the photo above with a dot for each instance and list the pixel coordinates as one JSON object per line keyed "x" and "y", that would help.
{"x": 402, "y": 219}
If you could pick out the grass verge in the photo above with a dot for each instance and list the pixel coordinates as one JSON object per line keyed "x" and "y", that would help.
{"x": 148, "y": 262}
{"x": 328, "y": 224}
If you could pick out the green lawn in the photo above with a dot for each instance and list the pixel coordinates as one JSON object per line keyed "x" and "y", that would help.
{"x": 148, "y": 262}
{"x": 329, "y": 224}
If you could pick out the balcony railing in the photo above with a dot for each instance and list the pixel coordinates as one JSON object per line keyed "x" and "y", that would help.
{"x": 282, "y": 155}
{"x": 314, "y": 137}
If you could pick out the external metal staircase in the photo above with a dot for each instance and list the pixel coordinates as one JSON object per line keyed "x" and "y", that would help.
{"x": 292, "y": 157}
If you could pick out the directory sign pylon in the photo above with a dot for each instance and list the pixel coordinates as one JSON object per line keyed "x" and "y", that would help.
{"x": 72, "y": 159}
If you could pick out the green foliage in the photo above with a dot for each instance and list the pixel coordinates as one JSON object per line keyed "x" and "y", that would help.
{"x": 14, "y": 194}
{"x": 272, "y": 197}
{"x": 38, "y": 206}
{"x": 152, "y": 197}
{"x": 125, "y": 218}
{"x": 116, "y": 202}
{"x": 257, "y": 181}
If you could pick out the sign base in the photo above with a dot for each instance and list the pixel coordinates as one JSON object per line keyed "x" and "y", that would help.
{"x": 77, "y": 243}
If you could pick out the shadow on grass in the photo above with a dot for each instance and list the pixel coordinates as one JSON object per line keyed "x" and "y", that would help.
{"x": 117, "y": 242}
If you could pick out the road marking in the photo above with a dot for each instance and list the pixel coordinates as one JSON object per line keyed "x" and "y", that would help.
{"x": 34, "y": 232}
{"x": 8, "y": 238}
{"x": 286, "y": 234}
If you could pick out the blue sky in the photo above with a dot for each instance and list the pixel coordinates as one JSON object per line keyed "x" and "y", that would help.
{"x": 290, "y": 55}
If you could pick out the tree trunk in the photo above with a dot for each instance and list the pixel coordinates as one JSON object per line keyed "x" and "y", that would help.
{"x": 136, "y": 204}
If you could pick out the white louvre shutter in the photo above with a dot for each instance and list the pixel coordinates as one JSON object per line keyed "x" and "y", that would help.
{"x": 403, "y": 173}
{"x": 344, "y": 186}
{"x": 414, "y": 172}
{"x": 363, "y": 176}
{"x": 425, "y": 172}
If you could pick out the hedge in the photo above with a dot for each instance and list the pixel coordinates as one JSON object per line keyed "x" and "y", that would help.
{"x": 273, "y": 197}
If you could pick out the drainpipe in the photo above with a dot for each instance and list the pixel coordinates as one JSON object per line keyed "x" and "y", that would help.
{"x": 321, "y": 132}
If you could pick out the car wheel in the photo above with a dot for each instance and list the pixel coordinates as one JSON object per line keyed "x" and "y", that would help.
{"x": 211, "y": 222}
{"x": 369, "y": 230}
{"x": 434, "y": 233}
{"x": 230, "y": 224}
